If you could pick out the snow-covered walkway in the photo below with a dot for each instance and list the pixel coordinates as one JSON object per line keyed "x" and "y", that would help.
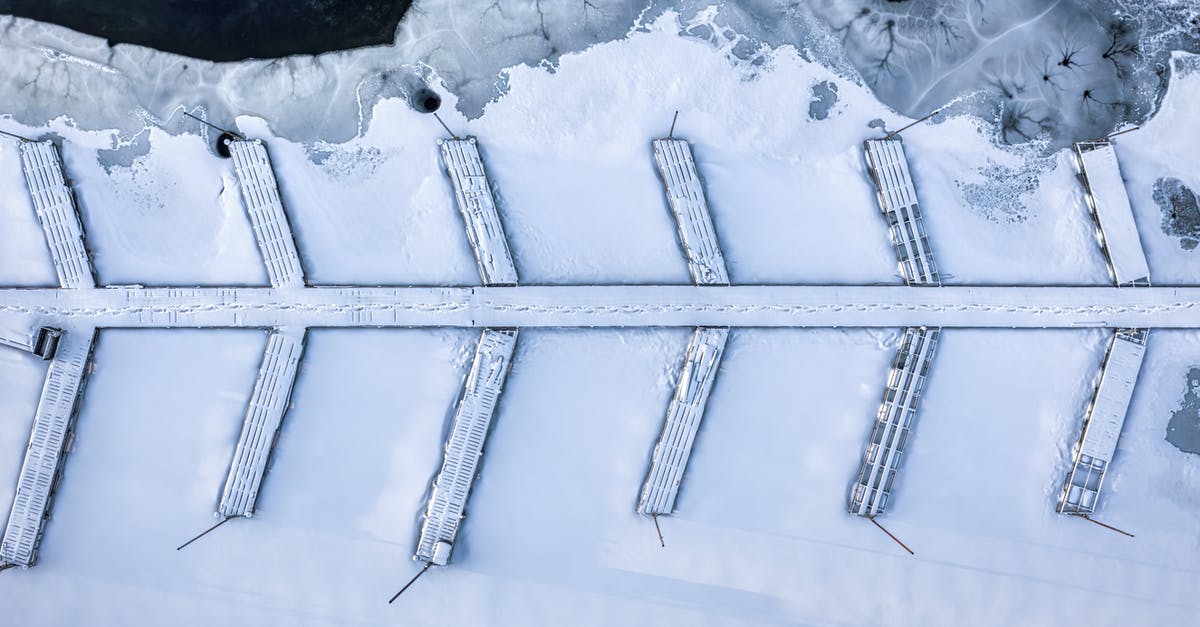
{"x": 612, "y": 306}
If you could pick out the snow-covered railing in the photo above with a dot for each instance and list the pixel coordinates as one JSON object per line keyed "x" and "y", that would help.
{"x": 268, "y": 404}
{"x": 260, "y": 192}
{"x": 464, "y": 447}
{"x": 474, "y": 195}
{"x": 674, "y": 445}
{"x": 1108, "y": 202}
{"x": 49, "y": 441}
{"x": 869, "y": 497}
{"x": 685, "y": 197}
{"x": 55, "y": 207}
{"x": 1102, "y": 426}
{"x": 897, "y": 197}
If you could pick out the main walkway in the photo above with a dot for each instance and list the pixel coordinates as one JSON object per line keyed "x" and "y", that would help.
{"x": 611, "y": 306}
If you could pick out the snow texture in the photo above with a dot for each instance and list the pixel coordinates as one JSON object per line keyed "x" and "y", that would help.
{"x": 552, "y": 537}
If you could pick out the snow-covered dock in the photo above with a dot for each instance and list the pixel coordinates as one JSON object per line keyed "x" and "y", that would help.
{"x": 897, "y": 198}
{"x": 1108, "y": 202}
{"x": 49, "y": 442}
{"x": 1102, "y": 426}
{"x": 268, "y": 404}
{"x": 473, "y": 193}
{"x": 674, "y": 446}
{"x": 685, "y": 197}
{"x": 272, "y": 231}
{"x": 464, "y": 447}
{"x": 55, "y": 207}
{"x": 613, "y": 306}
{"x": 869, "y": 496}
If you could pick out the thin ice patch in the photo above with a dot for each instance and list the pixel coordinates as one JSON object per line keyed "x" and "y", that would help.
{"x": 824, "y": 97}
{"x": 1000, "y": 196}
{"x": 1183, "y": 430}
{"x": 1181, "y": 212}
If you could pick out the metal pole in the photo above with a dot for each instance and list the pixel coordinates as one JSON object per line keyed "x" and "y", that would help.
{"x": 15, "y": 136}
{"x": 410, "y": 582}
{"x": 889, "y": 534}
{"x": 659, "y": 530}
{"x": 204, "y": 533}
{"x": 439, "y": 119}
{"x": 671, "y": 135}
{"x": 911, "y": 124}
{"x": 1106, "y": 526}
{"x": 211, "y": 125}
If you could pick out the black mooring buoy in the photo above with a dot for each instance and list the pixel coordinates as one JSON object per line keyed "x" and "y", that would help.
{"x": 223, "y": 143}
{"x": 426, "y": 100}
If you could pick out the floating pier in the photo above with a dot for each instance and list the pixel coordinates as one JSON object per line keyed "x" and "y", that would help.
{"x": 1103, "y": 422}
{"x": 49, "y": 441}
{"x": 897, "y": 197}
{"x": 260, "y": 192}
{"x": 1116, "y": 232}
{"x": 268, "y": 403}
{"x": 57, "y": 213}
{"x": 674, "y": 446}
{"x": 473, "y": 193}
{"x": 685, "y": 197}
{"x": 888, "y": 167}
{"x": 698, "y": 240}
{"x": 493, "y": 356}
{"x": 1108, "y": 202}
{"x": 464, "y": 448}
{"x": 870, "y": 494}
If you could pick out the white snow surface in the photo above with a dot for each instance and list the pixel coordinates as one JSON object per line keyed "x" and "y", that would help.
{"x": 760, "y": 535}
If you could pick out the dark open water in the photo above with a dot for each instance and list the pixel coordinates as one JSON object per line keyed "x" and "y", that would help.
{"x": 225, "y": 30}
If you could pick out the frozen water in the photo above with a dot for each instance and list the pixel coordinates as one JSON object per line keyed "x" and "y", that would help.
{"x": 1183, "y": 430}
{"x": 1181, "y": 215}
{"x": 1070, "y": 69}
{"x": 824, "y": 97}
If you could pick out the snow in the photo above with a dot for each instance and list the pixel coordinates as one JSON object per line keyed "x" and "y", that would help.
{"x": 1160, "y": 148}
{"x": 1113, "y": 214}
{"x": 760, "y": 534}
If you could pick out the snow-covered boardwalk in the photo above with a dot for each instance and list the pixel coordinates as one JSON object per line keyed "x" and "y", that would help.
{"x": 1102, "y": 426}
{"x": 906, "y": 379}
{"x": 613, "y": 306}
{"x": 473, "y": 193}
{"x": 464, "y": 448}
{"x": 271, "y": 229}
{"x": 683, "y": 421}
{"x": 268, "y": 404}
{"x": 1108, "y": 202}
{"x": 55, "y": 207}
{"x": 897, "y": 196}
{"x": 685, "y": 197}
{"x": 49, "y": 442}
